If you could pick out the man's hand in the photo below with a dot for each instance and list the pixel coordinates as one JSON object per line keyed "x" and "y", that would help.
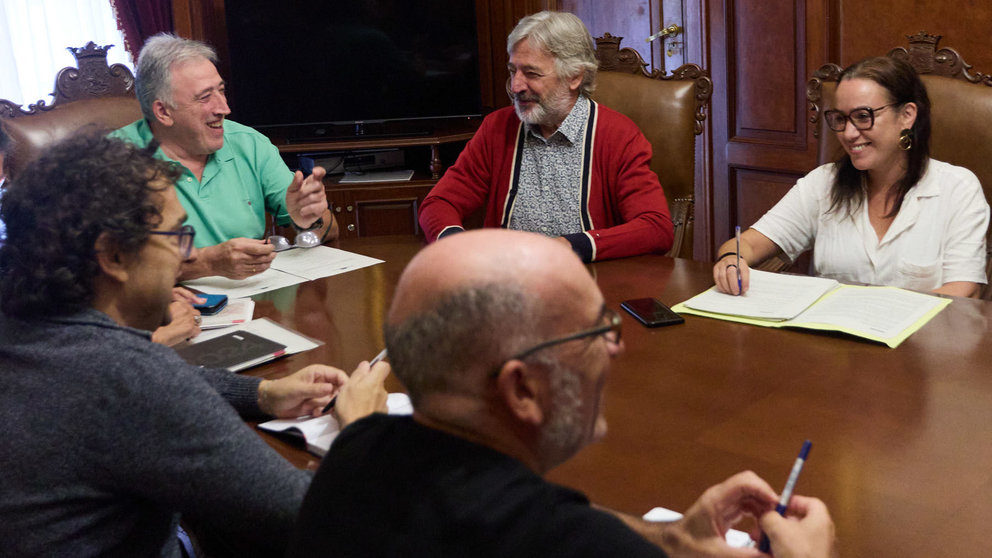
{"x": 702, "y": 530}
{"x": 806, "y": 531}
{"x": 184, "y": 323}
{"x": 364, "y": 393}
{"x": 305, "y": 197}
{"x": 305, "y": 392}
{"x": 237, "y": 258}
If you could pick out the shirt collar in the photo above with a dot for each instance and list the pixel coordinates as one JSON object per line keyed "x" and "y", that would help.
{"x": 573, "y": 126}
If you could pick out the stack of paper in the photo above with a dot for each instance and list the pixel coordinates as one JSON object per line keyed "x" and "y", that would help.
{"x": 320, "y": 432}
{"x": 735, "y": 538}
{"x": 290, "y": 267}
{"x": 885, "y": 314}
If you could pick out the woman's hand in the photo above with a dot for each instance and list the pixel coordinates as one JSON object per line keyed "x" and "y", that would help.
{"x": 726, "y": 274}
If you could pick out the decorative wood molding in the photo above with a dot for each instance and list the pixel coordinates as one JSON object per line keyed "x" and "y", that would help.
{"x": 814, "y": 92}
{"x": 612, "y": 58}
{"x": 91, "y": 78}
{"x": 922, "y": 54}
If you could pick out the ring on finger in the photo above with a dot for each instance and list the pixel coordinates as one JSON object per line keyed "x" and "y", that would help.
{"x": 197, "y": 320}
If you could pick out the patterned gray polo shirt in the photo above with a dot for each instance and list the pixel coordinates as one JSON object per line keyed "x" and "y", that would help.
{"x": 550, "y": 187}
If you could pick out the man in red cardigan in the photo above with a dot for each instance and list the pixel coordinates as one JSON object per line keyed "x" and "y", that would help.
{"x": 556, "y": 162}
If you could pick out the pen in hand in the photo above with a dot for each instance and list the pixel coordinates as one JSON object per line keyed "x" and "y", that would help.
{"x": 790, "y": 485}
{"x": 737, "y": 235}
{"x": 330, "y": 404}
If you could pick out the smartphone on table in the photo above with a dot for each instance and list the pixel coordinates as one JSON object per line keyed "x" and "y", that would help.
{"x": 651, "y": 312}
{"x": 214, "y": 303}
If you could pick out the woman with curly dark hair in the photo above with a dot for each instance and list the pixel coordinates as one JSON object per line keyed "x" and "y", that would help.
{"x": 885, "y": 213}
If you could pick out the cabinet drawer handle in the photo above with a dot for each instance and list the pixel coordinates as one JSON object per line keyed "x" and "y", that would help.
{"x": 350, "y": 209}
{"x": 337, "y": 209}
{"x": 351, "y": 227}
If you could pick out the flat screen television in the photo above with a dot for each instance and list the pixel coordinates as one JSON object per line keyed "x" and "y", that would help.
{"x": 318, "y": 67}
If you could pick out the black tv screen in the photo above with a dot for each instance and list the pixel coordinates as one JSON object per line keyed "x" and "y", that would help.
{"x": 345, "y": 61}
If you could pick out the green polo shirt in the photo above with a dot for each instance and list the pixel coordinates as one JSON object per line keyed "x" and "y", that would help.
{"x": 242, "y": 180}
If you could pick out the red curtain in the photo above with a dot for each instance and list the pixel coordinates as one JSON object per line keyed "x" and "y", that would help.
{"x": 140, "y": 19}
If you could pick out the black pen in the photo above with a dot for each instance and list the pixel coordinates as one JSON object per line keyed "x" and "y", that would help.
{"x": 330, "y": 404}
{"x": 790, "y": 485}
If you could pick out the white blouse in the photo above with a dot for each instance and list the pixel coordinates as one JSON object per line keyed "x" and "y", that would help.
{"x": 937, "y": 237}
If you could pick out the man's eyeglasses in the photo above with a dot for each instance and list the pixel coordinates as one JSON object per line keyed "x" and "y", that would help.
{"x": 185, "y": 234}
{"x": 610, "y": 330}
{"x": 863, "y": 118}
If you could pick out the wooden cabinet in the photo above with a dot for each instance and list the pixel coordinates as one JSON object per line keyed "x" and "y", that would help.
{"x": 387, "y": 208}
{"x": 378, "y": 208}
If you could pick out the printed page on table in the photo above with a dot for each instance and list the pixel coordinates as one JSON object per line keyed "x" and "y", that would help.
{"x": 771, "y": 296}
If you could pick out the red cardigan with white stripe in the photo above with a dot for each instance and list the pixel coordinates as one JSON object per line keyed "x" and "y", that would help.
{"x": 624, "y": 211}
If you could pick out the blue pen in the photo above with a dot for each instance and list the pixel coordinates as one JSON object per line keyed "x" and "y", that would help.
{"x": 738, "y": 236}
{"x": 790, "y": 485}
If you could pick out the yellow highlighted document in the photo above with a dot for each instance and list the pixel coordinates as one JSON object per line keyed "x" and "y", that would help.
{"x": 884, "y": 314}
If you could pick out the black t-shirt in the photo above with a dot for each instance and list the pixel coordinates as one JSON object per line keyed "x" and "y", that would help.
{"x": 392, "y": 487}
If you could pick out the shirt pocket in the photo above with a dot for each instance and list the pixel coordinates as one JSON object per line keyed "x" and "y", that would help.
{"x": 922, "y": 276}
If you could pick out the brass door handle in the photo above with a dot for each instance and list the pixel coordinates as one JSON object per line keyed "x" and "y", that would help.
{"x": 669, "y": 32}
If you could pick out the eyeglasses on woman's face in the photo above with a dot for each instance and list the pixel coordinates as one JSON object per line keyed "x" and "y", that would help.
{"x": 863, "y": 118}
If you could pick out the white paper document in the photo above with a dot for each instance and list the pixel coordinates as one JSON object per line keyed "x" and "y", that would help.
{"x": 268, "y": 280}
{"x": 320, "y": 261}
{"x": 321, "y": 431}
{"x": 735, "y": 538}
{"x": 883, "y": 312}
{"x": 771, "y": 296}
{"x": 289, "y": 268}
{"x": 238, "y": 311}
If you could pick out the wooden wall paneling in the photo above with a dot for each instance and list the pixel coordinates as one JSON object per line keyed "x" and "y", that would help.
{"x": 873, "y": 28}
{"x": 751, "y": 188}
{"x": 761, "y": 53}
{"x": 489, "y": 86}
{"x": 503, "y": 16}
{"x": 203, "y": 20}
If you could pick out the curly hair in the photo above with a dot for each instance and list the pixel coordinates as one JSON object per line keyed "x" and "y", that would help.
{"x": 57, "y": 207}
{"x": 6, "y": 146}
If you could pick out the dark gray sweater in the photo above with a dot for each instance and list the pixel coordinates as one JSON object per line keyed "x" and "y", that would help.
{"x": 106, "y": 436}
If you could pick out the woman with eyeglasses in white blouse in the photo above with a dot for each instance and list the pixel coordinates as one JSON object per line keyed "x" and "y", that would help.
{"x": 885, "y": 213}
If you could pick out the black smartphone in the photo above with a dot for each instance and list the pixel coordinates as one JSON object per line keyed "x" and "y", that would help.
{"x": 651, "y": 312}
{"x": 214, "y": 303}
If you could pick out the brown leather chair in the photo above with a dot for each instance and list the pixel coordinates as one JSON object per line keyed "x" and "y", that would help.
{"x": 670, "y": 111}
{"x": 92, "y": 95}
{"x": 961, "y": 112}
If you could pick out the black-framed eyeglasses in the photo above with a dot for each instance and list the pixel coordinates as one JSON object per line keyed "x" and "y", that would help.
{"x": 185, "y": 235}
{"x": 863, "y": 118}
{"x": 610, "y": 330}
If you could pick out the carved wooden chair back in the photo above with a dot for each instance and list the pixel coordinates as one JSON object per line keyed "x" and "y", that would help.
{"x": 961, "y": 112}
{"x": 91, "y": 95}
{"x": 670, "y": 111}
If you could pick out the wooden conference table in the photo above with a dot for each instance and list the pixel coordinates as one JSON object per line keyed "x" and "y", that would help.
{"x": 902, "y": 438}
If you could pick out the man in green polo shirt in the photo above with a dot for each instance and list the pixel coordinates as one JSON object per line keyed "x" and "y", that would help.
{"x": 232, "y": 174}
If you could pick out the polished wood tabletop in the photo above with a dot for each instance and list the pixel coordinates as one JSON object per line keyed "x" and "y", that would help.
{"x": 902, "y": 438}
